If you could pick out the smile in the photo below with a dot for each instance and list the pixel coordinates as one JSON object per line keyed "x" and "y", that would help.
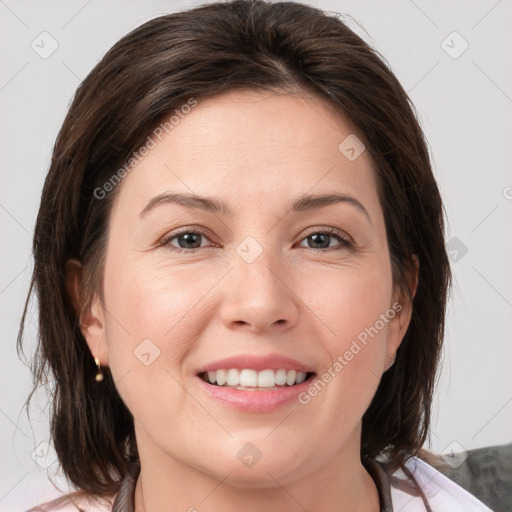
{"x": 251, "y": 380}
{"x": 254, "y": 398}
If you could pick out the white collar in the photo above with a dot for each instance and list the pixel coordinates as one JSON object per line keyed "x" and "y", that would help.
{"x": 443, "y": 494}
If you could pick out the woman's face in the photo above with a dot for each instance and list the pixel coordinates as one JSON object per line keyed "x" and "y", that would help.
{"x": 259, "y": 281}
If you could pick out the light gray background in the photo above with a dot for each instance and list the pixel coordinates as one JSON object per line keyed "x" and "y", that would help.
{"x": 465, "y": 108}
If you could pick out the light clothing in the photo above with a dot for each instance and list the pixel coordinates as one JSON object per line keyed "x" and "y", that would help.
{"x": 442, "y": 493}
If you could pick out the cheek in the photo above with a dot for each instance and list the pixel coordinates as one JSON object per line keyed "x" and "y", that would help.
{"x": 348, "y": 301}
{"x": 154, "y": 298}
{"x": 155, "y": 317}
{"x": 351, "y": 307}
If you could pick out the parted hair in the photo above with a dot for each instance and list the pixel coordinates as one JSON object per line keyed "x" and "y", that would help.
{"x": 147, "y": 75}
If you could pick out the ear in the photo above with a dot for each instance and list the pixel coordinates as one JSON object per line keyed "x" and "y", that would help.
{"x": 92, "y": 318}
{"x": 403, "y": 307}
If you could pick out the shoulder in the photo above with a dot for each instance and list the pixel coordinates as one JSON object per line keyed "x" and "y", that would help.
{"x": 481, "y": 479}
{"x": 76, "y": 502}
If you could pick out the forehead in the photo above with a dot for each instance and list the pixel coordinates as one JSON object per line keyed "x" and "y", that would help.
{"x": 244, "y": 145}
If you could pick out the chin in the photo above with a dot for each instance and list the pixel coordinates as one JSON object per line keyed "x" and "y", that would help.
{"x": 265, "y": 472}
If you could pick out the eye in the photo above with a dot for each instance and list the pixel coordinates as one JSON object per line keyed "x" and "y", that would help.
{"x": 189, "y": 240}
{"x": 323, "y": 238}
{"x": 186, "y": 238}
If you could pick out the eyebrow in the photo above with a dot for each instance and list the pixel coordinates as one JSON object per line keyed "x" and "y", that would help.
{"x": 212, "y": 205}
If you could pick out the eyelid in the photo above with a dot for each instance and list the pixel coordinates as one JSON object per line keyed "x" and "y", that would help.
{"x": 331, "y": 231}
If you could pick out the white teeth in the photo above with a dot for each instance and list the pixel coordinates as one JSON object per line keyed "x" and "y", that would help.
{"x": 222, "y": 377}
{"x": 281, "y": 377}
{"x": 301, "y": 377}
{"x": 250, "y": 379}
{"x": 291, "y": 376}
{"x": 266, "y": 379}
{"x": 233, "y": 377}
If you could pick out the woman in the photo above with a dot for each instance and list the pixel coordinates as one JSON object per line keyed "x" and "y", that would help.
{"x": 286, "y": 359}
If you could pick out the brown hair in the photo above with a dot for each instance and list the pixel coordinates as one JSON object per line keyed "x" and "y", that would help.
{"x": 145, "y": 76}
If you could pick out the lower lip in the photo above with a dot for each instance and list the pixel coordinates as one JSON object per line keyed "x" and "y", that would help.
{"x": 255, "y": 401}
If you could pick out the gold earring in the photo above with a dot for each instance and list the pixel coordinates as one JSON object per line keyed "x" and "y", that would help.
{"x": 99, "y": 375}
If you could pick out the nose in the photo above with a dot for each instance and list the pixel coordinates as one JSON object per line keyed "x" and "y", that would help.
{"x": 258, "y": 295}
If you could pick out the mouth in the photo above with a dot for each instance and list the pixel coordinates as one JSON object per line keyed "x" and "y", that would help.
{"x": 248, "y": 379}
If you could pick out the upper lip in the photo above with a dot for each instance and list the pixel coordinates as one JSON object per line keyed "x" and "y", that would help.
{"x": 254, "y": 362}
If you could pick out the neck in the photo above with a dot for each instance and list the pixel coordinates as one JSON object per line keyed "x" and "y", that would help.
{"x": 168, "y": 485}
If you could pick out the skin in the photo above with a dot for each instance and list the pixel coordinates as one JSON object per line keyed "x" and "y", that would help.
{"x": 258, "y": 152}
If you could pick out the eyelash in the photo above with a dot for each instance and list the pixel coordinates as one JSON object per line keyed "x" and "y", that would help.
{"x": 345, "y": 243}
